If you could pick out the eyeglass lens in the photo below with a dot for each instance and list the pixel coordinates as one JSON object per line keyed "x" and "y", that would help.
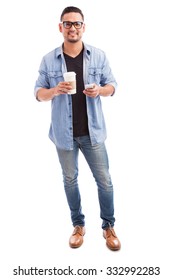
{"x": 76, "y": 24}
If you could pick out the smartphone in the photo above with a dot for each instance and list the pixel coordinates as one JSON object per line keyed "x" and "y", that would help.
{"x": 89, "y": 86}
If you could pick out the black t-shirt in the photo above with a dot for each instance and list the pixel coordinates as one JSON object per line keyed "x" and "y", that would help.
{"x": 80, "y": 119}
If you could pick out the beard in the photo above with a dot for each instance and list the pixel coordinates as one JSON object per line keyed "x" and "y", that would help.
{"x": 73, "y": 37}
{"x": 73, "y": 40}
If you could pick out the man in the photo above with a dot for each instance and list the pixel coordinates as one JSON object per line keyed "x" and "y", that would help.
{"x": 77, "y": 121}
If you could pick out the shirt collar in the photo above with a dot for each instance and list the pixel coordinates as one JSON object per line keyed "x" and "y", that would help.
{"x": 87, "y": 51}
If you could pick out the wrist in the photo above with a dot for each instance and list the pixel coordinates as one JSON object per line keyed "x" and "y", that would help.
{"x": 54, "y": 92}
{"x": 100, "y": 90}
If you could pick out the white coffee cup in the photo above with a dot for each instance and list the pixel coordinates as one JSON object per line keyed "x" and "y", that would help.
{"x": 71, "y": 78}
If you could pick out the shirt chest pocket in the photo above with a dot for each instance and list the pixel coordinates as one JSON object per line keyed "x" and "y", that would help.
{"x": 55, "y": 77}
{"x": 94, "y": 75}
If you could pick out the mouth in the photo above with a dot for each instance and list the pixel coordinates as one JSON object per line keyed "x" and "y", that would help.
{"x": 72, "y": 33}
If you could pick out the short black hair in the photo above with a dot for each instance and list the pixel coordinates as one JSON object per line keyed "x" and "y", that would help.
{"x": 71, "y": 9}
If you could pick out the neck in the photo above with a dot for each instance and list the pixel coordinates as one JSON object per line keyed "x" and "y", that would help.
{"x": 72, "y": 49}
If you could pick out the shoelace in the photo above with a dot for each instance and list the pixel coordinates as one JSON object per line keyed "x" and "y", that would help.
{"x": 110, "y": 231}
{"x": 78, "y": 230}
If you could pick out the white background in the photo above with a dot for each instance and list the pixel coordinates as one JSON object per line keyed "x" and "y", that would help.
{"x": 35, "y": 220}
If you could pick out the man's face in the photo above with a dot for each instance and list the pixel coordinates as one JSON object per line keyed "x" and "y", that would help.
{"x": 72, "y": 34}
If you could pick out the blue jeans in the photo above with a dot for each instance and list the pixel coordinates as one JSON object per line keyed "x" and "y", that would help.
{"x": 97, "y": 159}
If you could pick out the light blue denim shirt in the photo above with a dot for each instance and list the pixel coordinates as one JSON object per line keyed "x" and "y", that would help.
{"x": 96, "y": 70}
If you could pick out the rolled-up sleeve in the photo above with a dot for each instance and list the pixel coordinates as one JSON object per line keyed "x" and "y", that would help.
{"x": 43, "y": 80}
{"x": 107, "y": 75}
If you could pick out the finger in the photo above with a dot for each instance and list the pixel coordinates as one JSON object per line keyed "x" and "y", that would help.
{"x": 89, "y": 94}
{"x": 63, "y": 85}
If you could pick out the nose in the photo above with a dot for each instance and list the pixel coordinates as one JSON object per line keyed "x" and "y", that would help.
{"x": 72, "y": 27}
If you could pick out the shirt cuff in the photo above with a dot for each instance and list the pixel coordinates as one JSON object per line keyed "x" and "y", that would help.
{"x": 35, "y": 92}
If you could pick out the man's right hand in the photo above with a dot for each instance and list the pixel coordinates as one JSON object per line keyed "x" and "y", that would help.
{"x": 44, "y": 94}
{"x": 62, "y": 88}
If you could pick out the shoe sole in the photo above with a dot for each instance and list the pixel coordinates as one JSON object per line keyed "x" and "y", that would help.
{"x": 113, "y": 249}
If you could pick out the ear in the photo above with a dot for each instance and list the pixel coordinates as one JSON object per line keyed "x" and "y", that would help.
{"x": 84, "y": 27}
{"x": 60, "y": 27}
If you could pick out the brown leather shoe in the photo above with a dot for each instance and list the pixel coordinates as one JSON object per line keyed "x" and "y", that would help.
{"x": 76, "y": 239}
{"x": 112, "y": 240}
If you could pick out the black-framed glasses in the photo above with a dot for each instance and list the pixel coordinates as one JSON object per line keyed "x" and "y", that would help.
{"x": 76, "y": 24}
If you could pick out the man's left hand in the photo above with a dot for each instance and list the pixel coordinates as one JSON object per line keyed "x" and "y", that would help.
{"x": 92, "y": 92}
